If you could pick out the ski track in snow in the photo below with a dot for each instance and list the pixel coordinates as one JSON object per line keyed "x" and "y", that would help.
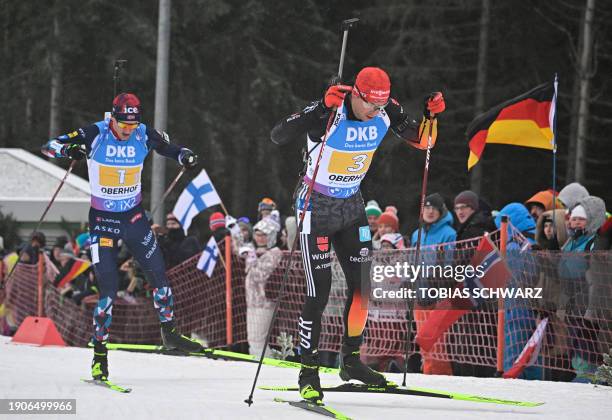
{"x": 174, "y": 387}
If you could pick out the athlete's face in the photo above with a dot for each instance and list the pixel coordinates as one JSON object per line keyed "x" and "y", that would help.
{"x": 122, "y": 129}
{"x": 362, "y": 109}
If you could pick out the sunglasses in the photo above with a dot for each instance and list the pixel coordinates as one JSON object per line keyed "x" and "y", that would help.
{"x": 370, "y": 105}
{"x": 127, "y": 126}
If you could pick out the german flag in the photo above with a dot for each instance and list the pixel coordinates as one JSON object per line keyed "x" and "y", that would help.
{"x": 526, "y": 120}
{"x": 71, "y": 271}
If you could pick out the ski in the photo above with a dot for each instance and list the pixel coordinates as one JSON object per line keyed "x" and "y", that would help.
{"x": 108, "y": 384}
{"x": 215, "y": 354}
{"x": 315, "y": 408}
{"x": 419, "y": 392}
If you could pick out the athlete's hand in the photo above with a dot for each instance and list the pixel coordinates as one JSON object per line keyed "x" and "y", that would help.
{"x": 75, "y": 151}
{"x": 434, "y": 104}
{"x": 335, "y": 95}
{"x": 187, "y": 158}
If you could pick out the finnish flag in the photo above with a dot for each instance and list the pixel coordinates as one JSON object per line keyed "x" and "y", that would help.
{"x": 210, "y": 256}
{"x": 199, "y": 195}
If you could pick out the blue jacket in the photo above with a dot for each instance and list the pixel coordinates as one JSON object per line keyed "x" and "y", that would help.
{"x": 520, "y": 320}
{"x": 438, "y": 233}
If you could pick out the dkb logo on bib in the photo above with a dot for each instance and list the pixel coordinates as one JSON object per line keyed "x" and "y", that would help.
{"x": 120, "y": 151}
{"x": 361, "y": 133}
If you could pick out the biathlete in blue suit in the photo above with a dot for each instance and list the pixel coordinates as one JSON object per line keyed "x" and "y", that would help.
{"x": 115, "y": 150}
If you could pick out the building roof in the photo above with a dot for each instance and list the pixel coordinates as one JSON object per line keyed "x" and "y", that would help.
{"x": 28, "y": 183}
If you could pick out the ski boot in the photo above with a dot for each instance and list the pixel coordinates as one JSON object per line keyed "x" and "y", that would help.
{"x": 309, "y": 383}
{"x": 99, "y": 365}
{"x": 174, "y": 340}
{"x": 351, "y": 366}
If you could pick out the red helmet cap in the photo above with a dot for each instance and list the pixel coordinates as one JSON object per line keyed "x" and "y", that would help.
{"x": 373, "y": 85}
{"x": 126, "y": 107}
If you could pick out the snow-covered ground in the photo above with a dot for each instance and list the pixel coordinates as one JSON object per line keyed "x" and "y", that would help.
{"x": 184, "y": 388}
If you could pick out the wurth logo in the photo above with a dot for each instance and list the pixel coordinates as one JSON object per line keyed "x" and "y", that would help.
{"x": 361, "y": 133}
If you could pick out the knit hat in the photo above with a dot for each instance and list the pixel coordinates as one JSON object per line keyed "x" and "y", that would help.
{"x": 216, "y": 221}
{"x": 373, "y": 85}
{"x": 579, "y": 211}
{"x": 469, "y": 198}
{"x": 389, "y": 217}
{"x": 266, "y": 204}
{"x": 373, "y": 209}
{"x": 436, "y": 201}
{"x": 395, "y": 239}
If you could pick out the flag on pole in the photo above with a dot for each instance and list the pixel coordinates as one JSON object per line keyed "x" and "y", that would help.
{"x": 73, "y": 268}
{"x": 527, "y": 120}
{"x": 210, "y": 256}
{"x": 448, "y": 311}
{"x": 199, "y": 195}
{"x": 530, "y": 353}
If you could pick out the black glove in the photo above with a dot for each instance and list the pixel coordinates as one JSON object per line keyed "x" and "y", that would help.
{"x": 187, "y": 158}
{"x": 75, "y": 151}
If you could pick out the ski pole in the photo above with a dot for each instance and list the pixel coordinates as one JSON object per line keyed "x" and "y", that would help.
{"x": 346, "y": 25}
{"x": 169, "y": 189}
{"x": 59, "y": 187}
{"x": 418, "y": 246}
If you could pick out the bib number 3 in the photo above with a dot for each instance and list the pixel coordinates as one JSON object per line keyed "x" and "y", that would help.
{"x": 359, "y": 163}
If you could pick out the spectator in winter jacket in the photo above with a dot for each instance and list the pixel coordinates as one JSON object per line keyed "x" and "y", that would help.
{"x": 550, "y": 231}
{"x": 584, "y": 221}
{"x": 472, "y": 221}
{"x": 541, "y": 202}
{"x": 260, "y": 264}
{"x": 392, "y": 241}
{"x": 571, "y": 194}
{"x": 373, "y": 212}
{"x": 216, "y": 222}
{"x": 437, "y": 229}
{"x": 58, "y": 247}
{"x": 438, "y": 223}
{"x": 387, "y": 222}
{"x": 265, "y": 207}
{"x": 175, "y": 245}
{"x": 520, "y": 319}
{"x": 29, "y": 255}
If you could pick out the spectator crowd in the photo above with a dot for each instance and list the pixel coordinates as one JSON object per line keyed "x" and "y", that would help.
{"x": 570, "y": 222}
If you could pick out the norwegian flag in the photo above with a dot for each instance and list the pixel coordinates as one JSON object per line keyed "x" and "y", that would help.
{"x": 448, "y": 311}
{"x": 530, "y": 353}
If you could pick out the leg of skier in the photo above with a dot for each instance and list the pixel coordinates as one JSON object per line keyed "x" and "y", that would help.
{"x": 353, "y": 246}
{"x": 143, "y": 244}
{"x": 314, "y": 242}
{"x": 104, "y": 251}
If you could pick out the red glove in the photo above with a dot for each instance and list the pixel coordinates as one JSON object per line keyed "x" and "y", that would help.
{"x": 435, "y": 103}
{"x": 335, "y": 95}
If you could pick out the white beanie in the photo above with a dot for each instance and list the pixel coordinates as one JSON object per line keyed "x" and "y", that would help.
{"x": 579, "y": 211}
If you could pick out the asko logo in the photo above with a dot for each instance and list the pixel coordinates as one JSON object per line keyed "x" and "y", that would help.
{"x": 361, "y": 133}
{"x": 120, "y": 151}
